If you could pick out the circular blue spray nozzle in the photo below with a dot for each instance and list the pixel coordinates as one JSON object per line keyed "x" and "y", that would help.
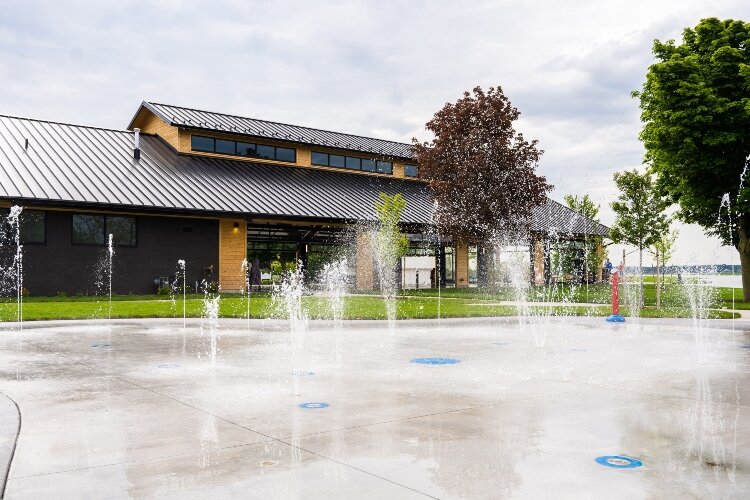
{"x": 313, "y": 406}
{"x": 615, "y": 318}
{"x": 618, "y": 462}
{"x": 435, "y": 361}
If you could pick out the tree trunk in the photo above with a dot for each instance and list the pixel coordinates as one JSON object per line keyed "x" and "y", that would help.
{"x": 640, "y": 277}
{"x": 658, "y": 282}
{"x": 743, "y": 247}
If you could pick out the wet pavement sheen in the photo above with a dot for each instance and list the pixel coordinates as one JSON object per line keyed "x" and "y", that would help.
{"x": 145, "y": 408}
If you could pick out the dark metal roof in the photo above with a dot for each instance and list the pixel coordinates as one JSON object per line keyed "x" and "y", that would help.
{"x": 556, "y": 219}
{"x": 220, "y": 122}
{"x": 77, "y": 165}
{"x": 86, "y": 165}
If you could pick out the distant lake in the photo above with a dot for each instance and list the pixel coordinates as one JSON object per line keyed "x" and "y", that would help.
{"x": 724, "y": 280}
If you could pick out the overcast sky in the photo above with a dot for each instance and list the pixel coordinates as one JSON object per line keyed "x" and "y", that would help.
{"x": 374, "y": 68}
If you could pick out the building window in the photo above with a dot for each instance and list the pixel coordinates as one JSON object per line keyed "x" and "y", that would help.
{"x": 368, "y": 165}
{"x": 32, "y": 226}
{"x": 88, "y": 229}
{"x": 385, "y": 167}
{"x": 411, "y": 170}
{"x": 266, "y": 152}
{"x": 225, "y": 147}
{"x": 351, "y": 162}
{"x": 122, "y": 230}
{"x": 239, "y": 148}
{"x": 319, "y": 158}
{"x": 94, "y": 230}
{"x": 199, "y": 143}
{"x": 337, "y": 161}
{"x": 286, "y": 154}
{"x": 246, "y": 149}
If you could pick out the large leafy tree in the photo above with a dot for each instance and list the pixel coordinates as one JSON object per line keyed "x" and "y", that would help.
{"x": 480, "y": 169}
{"x": 640, "y": 219}
{"x": 696, "y": 111}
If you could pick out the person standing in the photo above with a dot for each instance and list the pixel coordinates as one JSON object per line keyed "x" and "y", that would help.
{"x": 607, "y": 269}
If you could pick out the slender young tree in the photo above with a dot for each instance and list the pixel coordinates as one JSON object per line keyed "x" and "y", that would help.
{"x": 696, "y": 129}
{"x": 640, "y": 219}
{"x": 662, "y": 249}
{"x": 390, "y": 243}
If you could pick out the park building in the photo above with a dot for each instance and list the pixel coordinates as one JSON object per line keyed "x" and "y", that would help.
{"x": 215, "y": 189}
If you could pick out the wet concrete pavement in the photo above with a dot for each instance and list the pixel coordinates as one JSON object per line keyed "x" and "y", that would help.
{"x": 145, "y": 408}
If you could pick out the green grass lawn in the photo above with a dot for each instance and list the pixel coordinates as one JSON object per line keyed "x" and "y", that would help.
{"x": 460, "y": 303}
{"x": 673, "y": 295}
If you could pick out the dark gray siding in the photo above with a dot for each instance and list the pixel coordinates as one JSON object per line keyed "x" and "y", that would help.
{"x": 60, "y": 266}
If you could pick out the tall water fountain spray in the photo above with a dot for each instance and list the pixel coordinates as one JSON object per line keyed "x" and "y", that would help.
{"x": 288, "y": 296}
{"x": 11, "y": 270}
{"x": 110, "y": 257}
{"x": 211, "y": 306}
{"x": 701, "y": 297}
{"x": 725, "y": 207}
{"x": 245, "y": 269}
{"x": 384, "y": 250}
{"x": 182, "y": 276}
{"x": 334, "y": 280}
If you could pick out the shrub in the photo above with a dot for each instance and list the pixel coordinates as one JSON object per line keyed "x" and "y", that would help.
{"x": 164, "y": 290}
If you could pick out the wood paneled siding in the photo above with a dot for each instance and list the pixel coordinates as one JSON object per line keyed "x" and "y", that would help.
{"x": 232, "y": 251}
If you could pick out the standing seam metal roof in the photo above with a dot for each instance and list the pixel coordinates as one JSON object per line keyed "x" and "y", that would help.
{"x": 220, "y": 122}
{"x": 73, "y": 164}
{"x": 76, "y": 164}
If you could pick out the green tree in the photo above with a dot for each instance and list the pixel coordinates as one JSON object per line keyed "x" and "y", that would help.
{"x": 390, "y": 244}
{"x": 639, "y": 213}
{"x": 584, "y": 205}
{"x": 695, "y": 106}
{"x": 663, "y": 249}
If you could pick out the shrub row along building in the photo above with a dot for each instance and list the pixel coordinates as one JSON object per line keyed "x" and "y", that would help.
{"x": 215, "y": 189}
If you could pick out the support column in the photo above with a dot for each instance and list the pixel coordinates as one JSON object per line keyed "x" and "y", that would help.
{"x": 232, "y": 251}
{"x": 462, "y": 265}
{"x": 539, "y": 260}
{"x": 365, "y": 268}
{"x": 600, "y": 255}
